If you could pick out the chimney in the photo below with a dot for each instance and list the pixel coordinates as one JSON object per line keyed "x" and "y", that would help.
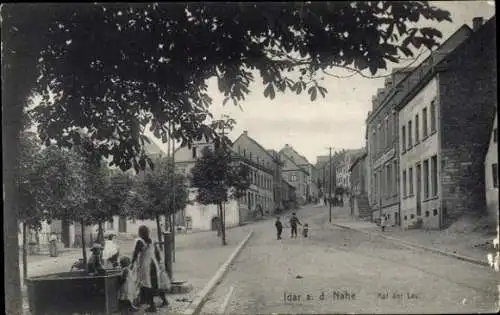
{"x": 245, "y": 132}
{"x": 477, "y": 22}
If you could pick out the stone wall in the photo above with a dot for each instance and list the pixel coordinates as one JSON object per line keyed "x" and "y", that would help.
{"x": 468, "y": 102}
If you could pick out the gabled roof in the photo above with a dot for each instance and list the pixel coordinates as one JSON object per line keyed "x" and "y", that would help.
{"x": 256, "y": 143}
{"x": 298, "y": 167}
{"x": 357, "y": 160}
{"x": 491, "y": 23}
{"x": 298, "y": 154}
{"x": 395, "y": 89}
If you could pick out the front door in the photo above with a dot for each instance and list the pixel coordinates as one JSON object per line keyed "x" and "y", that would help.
{"x": 419, "y": 190}
{"x": 122, "y": 225}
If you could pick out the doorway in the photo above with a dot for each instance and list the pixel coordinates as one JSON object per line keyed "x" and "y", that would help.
{"x": 65, "y": 237}
{"x": 419, "y": 189}
{"x": 122, "y": 225}
{"x": 215, "y": 224}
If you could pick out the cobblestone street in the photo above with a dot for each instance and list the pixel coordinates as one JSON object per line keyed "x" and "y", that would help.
{"x": 346, "y": 271}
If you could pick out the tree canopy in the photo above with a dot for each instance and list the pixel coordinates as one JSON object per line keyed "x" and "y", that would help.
{"x": 218, "y": 177}
{"x": 115, "y": 68}
{"x": 151, "y": 194}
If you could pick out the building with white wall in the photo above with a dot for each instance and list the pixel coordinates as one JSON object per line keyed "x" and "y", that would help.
{"x": 445, "y": 128}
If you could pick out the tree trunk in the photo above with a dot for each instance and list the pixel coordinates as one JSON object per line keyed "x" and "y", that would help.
{"x": 173, "y": 237}
{"x": 100, "y": 234}
{"x": 84, "y": 247}
{"x": 158, "y": 227}
{"x": 25, "y": 251}
{"x": 222, "y": 225}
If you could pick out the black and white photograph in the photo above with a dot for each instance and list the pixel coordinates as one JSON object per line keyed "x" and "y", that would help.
{"x": 317, "y": 157}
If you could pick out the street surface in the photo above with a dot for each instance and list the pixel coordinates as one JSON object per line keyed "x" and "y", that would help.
{"x": 342, "y": 271}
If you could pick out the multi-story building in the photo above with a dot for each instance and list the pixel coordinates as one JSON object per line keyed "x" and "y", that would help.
{"x": 383, "y": 131}
{"x": 359, "y": 188}
{"x": 445, "y": 122}
{"x": 344, "y": 162}
{"x": 296, "y": 176}
{"x": 262, "y": 173}
{"x": 326, "y": 171}
{"x": 491, "y": 176}
{"x": 259, "y": 196}
{"x": 302, "y": 162}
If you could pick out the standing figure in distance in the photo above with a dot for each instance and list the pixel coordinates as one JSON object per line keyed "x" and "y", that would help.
{"x": 293, "y": 224}
{"x": 279, "y": 227}
{"x": 305, "y": 230}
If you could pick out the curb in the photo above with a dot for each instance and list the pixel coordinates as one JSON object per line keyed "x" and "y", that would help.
{"x": 196, "y": 305}
{"x": 429, "y": 249}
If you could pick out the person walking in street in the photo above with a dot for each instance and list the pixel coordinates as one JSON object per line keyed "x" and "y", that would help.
{"x": 305, "y": 230}
{"x": 383, "y": 220}
{"x": 53, "y": 245}
{"x": 279, "y": 227}
{"x": 147, "y": 269}
{"x": 293, "y": 224}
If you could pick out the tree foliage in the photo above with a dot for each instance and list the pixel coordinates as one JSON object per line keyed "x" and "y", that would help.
{"x": 218, "y": 177}
{"x": 115, "y": 68}
{"x": 151, "y": 195}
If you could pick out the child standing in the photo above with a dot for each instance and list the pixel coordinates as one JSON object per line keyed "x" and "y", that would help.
{"x": 279, "y": 227}
{"x": 128, "y": 288}
{"x": 164, "y": 284}
{"x": 305, "y": 230}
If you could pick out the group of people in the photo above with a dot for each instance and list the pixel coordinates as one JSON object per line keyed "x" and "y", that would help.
{"x": 142, "y": 277}
{"x": 294, "y": 222}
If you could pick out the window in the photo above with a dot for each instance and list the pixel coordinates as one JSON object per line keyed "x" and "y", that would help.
{"x": 426, "y": 213}
{"x": 410, "y": 180}
{"x": 380, "y": 139}
{"x": 434, "y": 176}
{"x": 433, "y": 116}
{"x": 389, "y": 180}
{"x": 494, "y": 169}
{"x": 395, "y": 183}
{"x": 244, "y": 152}
{"x": 194, "y": 152}
{"x": 404, "y": 183}
{"x": 386, "y": 132}
{"x": 417, "y": 132}
{"x": 403, "y": 139}
{"x": 374, "y": 141}
{"x": 250, "y": 156}
{"x": 410, "y": 140}
{"x": 426, "y": 179}
{"x": 435, "y": 212}
{"x": 375, "y": 186}
{"x": 424, "y": 122}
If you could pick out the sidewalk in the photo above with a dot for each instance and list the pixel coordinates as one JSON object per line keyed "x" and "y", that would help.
{"x": 198, "y": 257}
{"x": 467, "y": 245}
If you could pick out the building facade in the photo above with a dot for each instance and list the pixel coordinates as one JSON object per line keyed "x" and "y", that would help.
{"x": 296, "y": 176}
{"x": 302, "y": 162}
{"x": 384, "y": 134}
{"x": 262, "y": 167}
{"x": 359, "y": 188}
{"x": 445, "y": 123}
{"x": 491, "y": 176}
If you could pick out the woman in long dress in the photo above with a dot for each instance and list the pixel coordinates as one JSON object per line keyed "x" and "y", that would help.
{"x": 148, "y": 272}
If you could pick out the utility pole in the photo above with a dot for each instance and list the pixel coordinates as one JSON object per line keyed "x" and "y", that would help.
{"x": 223, "y": 208}
{"x": 330, "y": 183}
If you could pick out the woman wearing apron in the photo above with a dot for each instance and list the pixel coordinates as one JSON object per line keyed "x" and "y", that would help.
{"x": 144, "y": 254}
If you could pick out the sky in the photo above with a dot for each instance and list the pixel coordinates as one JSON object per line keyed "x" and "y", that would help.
{"x": 338, "y": 120}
